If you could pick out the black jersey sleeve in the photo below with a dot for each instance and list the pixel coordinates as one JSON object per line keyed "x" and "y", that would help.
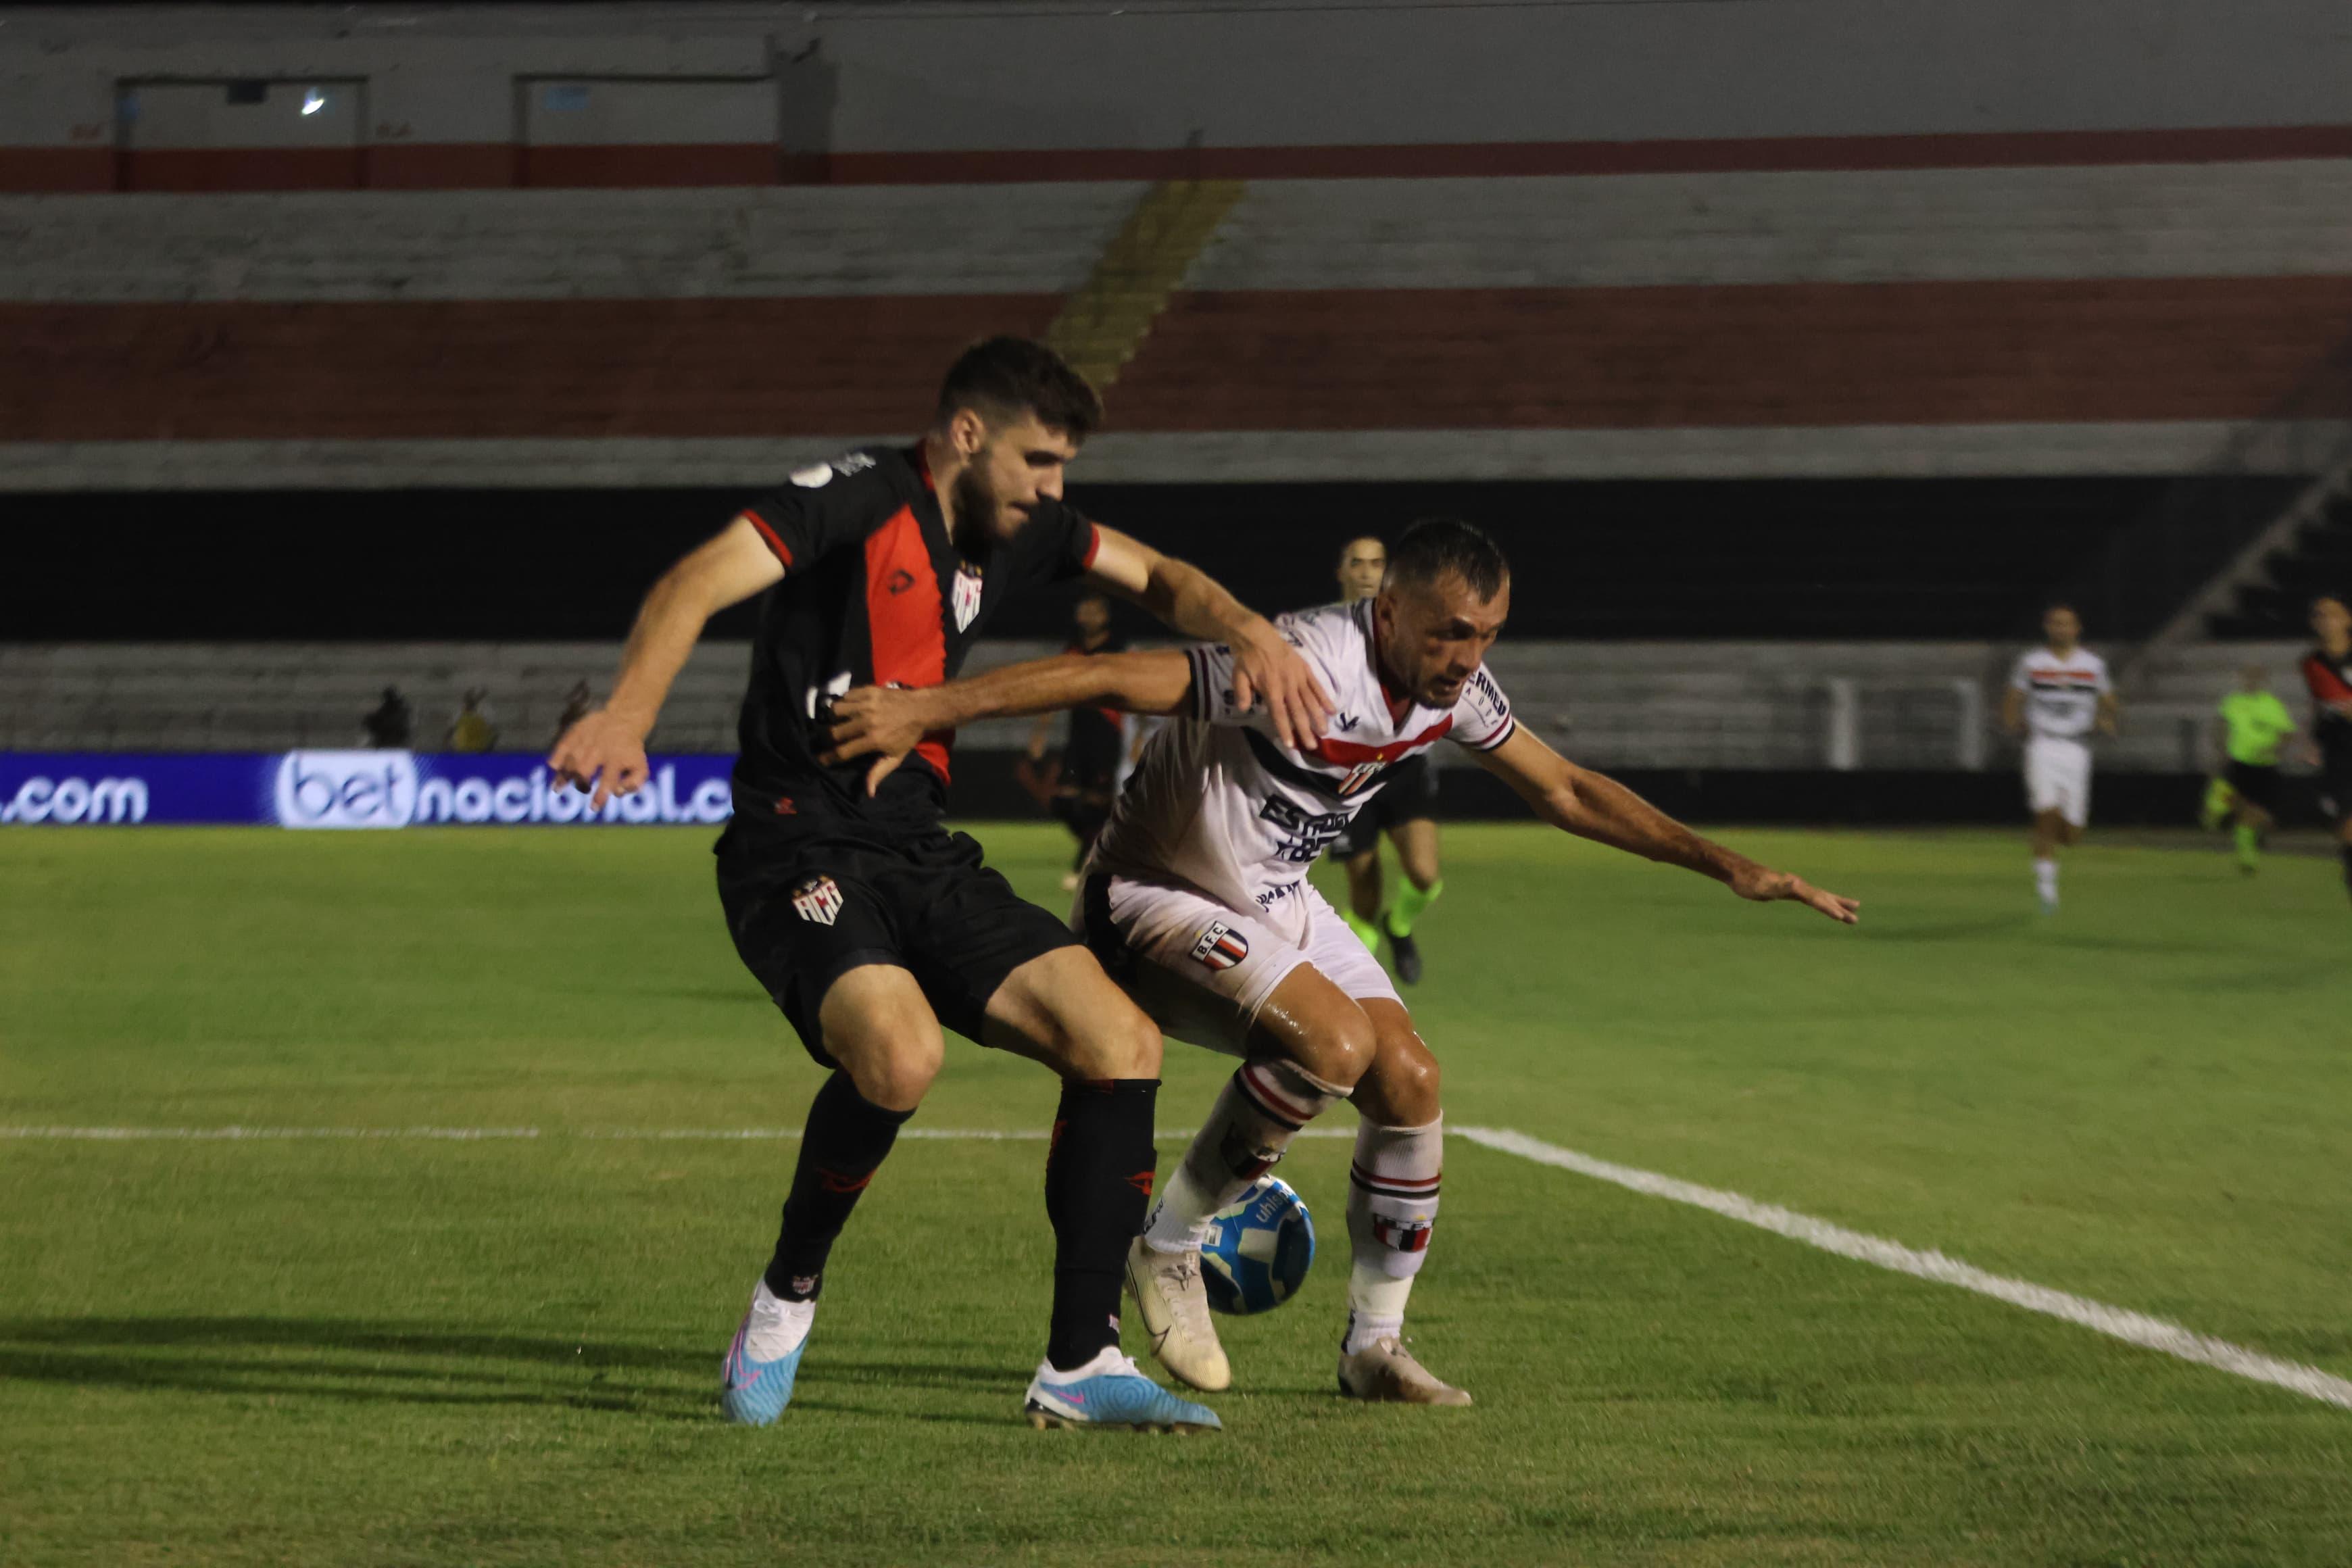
{"x": 1059, "y": 543}
{"x": 822, "y": 508}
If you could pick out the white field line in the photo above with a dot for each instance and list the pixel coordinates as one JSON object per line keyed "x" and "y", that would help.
{"x": 2117, "y": 1322}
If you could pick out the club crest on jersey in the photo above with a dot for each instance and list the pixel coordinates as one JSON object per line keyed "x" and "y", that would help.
{"x": 1360, "y": 775}
{"x": 817, "y": 900}
{"x": 967, "y": 596}
{"x": 1221, "y": 946}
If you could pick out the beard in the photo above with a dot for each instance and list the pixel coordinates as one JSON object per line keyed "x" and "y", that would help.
{"x": 983, "y": 514}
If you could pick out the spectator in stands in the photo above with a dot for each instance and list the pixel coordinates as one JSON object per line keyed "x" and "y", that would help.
{"x": 389, "y": 727}
{"x": 472, "y": 731}
{"x": 576, "y": 703}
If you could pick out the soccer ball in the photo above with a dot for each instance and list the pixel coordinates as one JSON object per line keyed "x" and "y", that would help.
{"x": 1259, "y": 1250}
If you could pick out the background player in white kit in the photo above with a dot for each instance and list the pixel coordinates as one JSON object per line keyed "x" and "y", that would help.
{"x": 2057, "y": 695}
{"x": 1196, "y": 898}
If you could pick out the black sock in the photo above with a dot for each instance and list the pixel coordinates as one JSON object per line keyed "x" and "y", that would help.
{"x": 847, "y": 1137}
{"x": 1097, "y": 1185}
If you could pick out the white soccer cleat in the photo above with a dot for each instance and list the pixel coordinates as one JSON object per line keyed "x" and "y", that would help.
{"x": 1386, "y": 1372}
{"x": 1175, "y": 1306}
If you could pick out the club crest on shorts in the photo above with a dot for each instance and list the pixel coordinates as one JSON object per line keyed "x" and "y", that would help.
{"x": 967, "y": 596}
{"x": 817, "y": 899}
{"x": 1221, "y": 946}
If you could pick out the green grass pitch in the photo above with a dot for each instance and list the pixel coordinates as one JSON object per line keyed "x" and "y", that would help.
{"x": 506, "y": 1351}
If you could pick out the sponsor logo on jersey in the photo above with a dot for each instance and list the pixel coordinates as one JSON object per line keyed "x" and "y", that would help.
{"x": 1346, "y": 721}
{"x": 1221, "y": 946}
{"x": 1305, "y": 832}
{"x": 1269, "y": 897}
{"x": 818, "y": 899}
{"x": 967, "y": 596}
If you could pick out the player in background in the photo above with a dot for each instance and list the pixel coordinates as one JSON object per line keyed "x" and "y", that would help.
{"x": 1197, "y": 897}
{"x": 868, "y": 923}
{"x": 1406, "y": 809}
{"x": 2058, "y": 693}
{"x": 2328, "y": 674}
{"x": 2253, "y": 722}
{"x": 1092, "y": 755}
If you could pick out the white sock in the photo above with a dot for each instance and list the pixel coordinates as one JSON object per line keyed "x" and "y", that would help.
{"x": 1107, "y": 1359}
{"x": 777, "y": 1326}
{"x": 1257, "y": 1113}
{"x": 1392, "y": 1214}
{"x": 2045, "y": 877}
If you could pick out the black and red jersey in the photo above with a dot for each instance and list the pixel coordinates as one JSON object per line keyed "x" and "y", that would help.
{"x": 873, "y": 594}
{"x": 2329, "y": 680}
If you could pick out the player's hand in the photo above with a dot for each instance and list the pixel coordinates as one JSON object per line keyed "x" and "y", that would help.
{"x": 879, "y": 722}
{"x": 1268, "y": 669}
{"x": 1766, "y": 886}
{"x": 602, "y": 754}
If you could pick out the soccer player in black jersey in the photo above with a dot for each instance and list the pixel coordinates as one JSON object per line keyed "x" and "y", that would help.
{"x": 2328, "y": 674}
{"x": 870, "y": 925}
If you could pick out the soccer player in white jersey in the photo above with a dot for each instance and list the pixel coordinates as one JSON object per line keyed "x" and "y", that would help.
{"x": 1197, "y": 898}
{"x": 2058, "y": 693}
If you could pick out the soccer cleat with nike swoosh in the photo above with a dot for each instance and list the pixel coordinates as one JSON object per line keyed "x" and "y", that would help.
{"x": 756, "y": 1380}
{"x": 1175, "y": 1306}
{"x": 1110, "y": 1391}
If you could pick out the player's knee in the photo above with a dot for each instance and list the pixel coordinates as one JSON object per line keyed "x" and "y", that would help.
{"x": 900, "y": 1074}
{"x": 1409, "y": 1077}
{"x": 1125, "y": 1045}
{"x": 1345, "y": 1046}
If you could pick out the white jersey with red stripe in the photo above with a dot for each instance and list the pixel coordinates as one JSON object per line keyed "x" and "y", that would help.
{"x": 2062, "y": 692}
{"x": 1219, "y": 804}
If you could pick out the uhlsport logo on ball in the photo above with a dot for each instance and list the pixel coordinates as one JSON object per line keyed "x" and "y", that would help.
{"x": 1259, "y": 1249}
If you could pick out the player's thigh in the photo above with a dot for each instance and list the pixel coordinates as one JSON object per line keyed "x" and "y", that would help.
{"x": 801, "y": 921}
{"x": 1210, "y": 975}
{"x": 877, "y": 1024}
{"x": 1416, "y": 845}
{"x": 965, "y": 931}
{"x": 1061, "y": 1009}
{"x": 1401, "y": 1088}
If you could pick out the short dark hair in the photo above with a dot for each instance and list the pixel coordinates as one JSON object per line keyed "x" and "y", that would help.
{"x": 1353, "y": 539}
{"x": 1437, "y": 545}
{"x": 1003, "y": 378}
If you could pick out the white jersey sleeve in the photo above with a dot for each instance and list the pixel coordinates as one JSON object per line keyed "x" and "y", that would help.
{"x": 1482, "y": 714}
{"x": 2021, "y": 676}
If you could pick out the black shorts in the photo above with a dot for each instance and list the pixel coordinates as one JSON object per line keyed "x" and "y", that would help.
{"x": 2254, "y": 782}
{"x": 1407, "y": 793}
{"x": 809, "y": 903}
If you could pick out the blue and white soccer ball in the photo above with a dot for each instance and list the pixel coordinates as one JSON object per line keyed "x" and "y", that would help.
{"x": 1259, "y": 1249}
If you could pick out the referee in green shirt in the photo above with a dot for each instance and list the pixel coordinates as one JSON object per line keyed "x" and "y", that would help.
{"x": 2256, "y": 722}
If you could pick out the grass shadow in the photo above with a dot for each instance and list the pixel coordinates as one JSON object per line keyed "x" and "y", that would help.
{"x": 351, "y": 1361}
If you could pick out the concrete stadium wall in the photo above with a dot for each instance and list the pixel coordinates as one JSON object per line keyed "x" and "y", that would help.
{"x": 1054, "y": 90}
{"x": 2080, "y": 320}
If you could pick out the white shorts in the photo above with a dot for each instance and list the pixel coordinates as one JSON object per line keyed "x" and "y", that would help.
{"x": 1201, "y": 969}
{"x": 2058, "y": 778}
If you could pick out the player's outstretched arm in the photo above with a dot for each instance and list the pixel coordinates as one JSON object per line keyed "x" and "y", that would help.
{"x": 886, "y": 721}
{"x": 1266, "y": 669}
{"x": 1593, "y": 805}
{"x": 605, "y": 750}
